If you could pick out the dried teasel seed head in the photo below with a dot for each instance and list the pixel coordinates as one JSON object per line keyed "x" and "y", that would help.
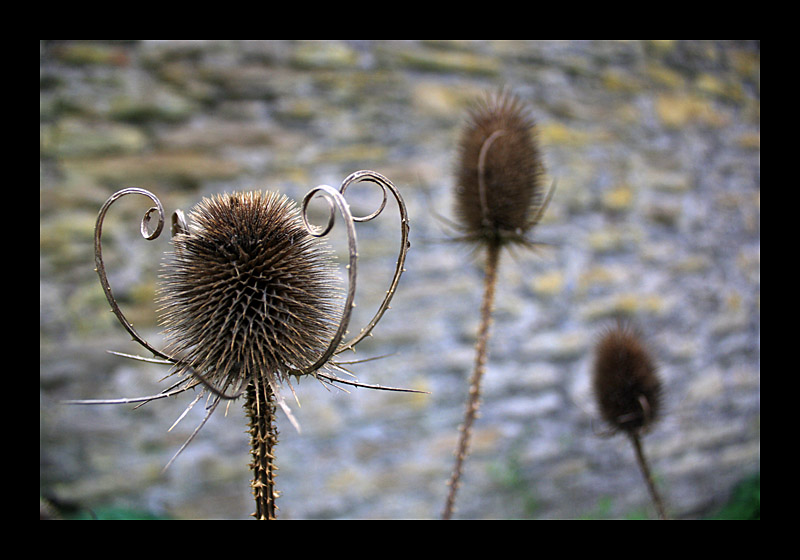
{"x": 626, "y": 382}
{"x": 498, "y": 177}
{"x": 247, "y": 290}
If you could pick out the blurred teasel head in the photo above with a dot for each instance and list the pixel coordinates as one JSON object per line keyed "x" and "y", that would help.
{"x": 625, "y": 380}
{"x": 498, "y": 193}
{"x": 628, "y": 392}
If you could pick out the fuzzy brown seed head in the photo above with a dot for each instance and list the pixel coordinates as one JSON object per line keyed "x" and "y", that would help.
{"x": 247, "y": 291}
{"x": 626, "y": 382}
{"x": 498, "y": 178}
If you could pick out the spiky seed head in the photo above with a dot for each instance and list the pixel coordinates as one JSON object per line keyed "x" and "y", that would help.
{"x": 247, "y": 291}
{"x": 626, "y": 382}
{"x": 498, "y": 177}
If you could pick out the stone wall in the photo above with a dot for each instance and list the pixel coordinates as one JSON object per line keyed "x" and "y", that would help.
{"x": 656, "y": 150}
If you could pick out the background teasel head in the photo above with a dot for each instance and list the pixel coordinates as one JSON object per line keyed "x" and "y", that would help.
{"x": 626, "y": 382}
{"x": 498, "y": 199}
{"x": 498, "y": 196}
{"x": 628, "y": 392}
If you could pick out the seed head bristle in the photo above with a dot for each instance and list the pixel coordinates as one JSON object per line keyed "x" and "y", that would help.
{"x": 247, "y": 291}
{"x": 498, "y": 177}
{"x": 626, "y": 382}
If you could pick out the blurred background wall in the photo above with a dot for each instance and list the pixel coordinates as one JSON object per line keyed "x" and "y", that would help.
{"x": 656, "y": 150}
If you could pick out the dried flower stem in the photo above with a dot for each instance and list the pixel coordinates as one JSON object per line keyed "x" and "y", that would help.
{"x": 473, "y": 402}
{"x": 648, "y": 477}
{"x": 260, "y": 407}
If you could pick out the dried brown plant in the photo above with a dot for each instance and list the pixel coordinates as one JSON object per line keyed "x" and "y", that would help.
{"x": 498, "y": 200}
{"x": 248, "y": 300}
{"x": 629, "y": 392}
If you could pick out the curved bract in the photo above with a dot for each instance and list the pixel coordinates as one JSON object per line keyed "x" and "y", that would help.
{"x": 98, "y": 255}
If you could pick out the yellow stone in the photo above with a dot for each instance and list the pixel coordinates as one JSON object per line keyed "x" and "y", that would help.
{"x": 548, "y": 284}
{"x": 598, "y": 276}
{"x": 750, "y": 140}
{"x": 618, "y": 198}
{"x": 618, "y": 81}
{"x": 677, "y": 111}
{"x": 558, "y": 134}
{"x": 665, "y": 76}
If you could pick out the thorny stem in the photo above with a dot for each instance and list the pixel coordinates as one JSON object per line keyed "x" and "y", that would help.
{"x": 260, "y": 407}
{"x": 648, "y": 477}
{"x": 473, "y": 401}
